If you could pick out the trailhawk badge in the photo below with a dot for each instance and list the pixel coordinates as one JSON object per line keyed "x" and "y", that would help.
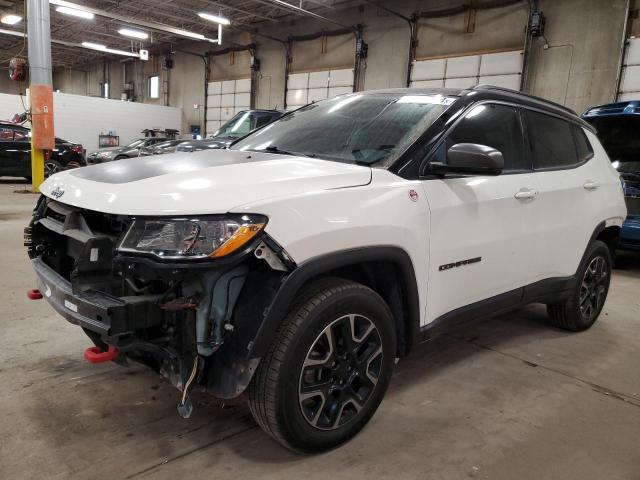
{"x": 57, "y": 192}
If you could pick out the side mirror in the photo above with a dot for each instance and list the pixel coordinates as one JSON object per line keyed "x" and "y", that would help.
{"x": 470, "y": 159}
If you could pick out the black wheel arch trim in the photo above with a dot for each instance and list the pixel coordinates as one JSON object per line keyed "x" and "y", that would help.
{"x": 323, "y": 264}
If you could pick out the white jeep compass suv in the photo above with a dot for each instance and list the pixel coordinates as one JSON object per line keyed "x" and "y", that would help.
{"x": 298, "y": 265}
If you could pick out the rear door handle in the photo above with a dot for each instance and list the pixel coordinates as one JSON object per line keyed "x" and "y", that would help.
{"x": 526, "y": 194}
{"x": 591, "y": 185}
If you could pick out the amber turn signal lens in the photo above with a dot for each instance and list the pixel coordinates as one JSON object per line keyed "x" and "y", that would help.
{"x": 238, "y": 239}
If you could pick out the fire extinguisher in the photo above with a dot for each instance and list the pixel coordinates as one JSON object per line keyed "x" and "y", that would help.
{"x": 18, "y": 69}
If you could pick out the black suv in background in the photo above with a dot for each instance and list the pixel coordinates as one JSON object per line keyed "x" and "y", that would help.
{"x": 15, "y": 153}
{"x": 241, "y": 125}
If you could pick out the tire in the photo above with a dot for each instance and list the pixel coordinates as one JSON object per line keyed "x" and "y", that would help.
{"x": 583, "y": 307}
{"x": 51, "y": 167}
{"x": 332, "y": 412}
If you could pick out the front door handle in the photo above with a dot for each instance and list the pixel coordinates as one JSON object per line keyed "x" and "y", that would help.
{"x": 526, "y": 194}
{"x": 591, "y": 185}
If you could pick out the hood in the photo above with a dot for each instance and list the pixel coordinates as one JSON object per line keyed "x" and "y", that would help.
{"x": 205, "y": 182}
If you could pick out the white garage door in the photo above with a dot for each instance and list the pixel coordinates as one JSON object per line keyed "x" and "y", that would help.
{"x": 503, "y": 69}
{"x": 224, "y": 99}
{"x": 303, "y": 88}
{"x": 630, "y": 78}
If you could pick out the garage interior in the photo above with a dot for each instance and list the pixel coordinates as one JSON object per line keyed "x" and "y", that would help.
{"x": 503, "y": 399}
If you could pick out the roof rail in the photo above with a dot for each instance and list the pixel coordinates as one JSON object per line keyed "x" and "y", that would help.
{"x": 516, "y": 92}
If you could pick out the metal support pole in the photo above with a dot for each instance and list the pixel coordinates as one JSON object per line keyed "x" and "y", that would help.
{"x": 41, "y": 90}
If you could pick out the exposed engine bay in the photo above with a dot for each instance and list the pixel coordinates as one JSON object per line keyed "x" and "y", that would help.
{"x": 193, "y": 322}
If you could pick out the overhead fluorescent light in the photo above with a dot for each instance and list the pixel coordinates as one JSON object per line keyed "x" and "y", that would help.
{"x": 128, "y": 32}
{"x": 94, "y": 46}
{"x": 12, "y": 32}
{"x": 186, "y": 33}
{"x": 75, "y": 13}
{"x": 10, "y": 19}
{"x": 214, "y": 18}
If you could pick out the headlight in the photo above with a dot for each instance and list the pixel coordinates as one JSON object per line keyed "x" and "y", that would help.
{"x": 191, "y": 238}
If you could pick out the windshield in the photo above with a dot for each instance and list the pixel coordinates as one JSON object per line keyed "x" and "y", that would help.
{"x": 242, "y": 124}
{"x": 619, "y": 137}
{"x": 355, "y": 128}
{"x": 135, "y": 143}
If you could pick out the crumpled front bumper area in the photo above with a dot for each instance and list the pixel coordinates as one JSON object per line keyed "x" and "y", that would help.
{"x": 175, "y": 317}
{"x": 96, "y": 311}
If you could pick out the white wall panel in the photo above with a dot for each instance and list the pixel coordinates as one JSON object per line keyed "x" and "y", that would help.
{"x": 625, "y": 97}
{"x": 297, "y": 97}
{"x": 227, "y": 100}
{"x": 81, "y": 119}
{"x": 632, "y": 54}
{"x": 502, "y": 69}
{"x": 319, "y": 79}
{"x": 298, "y": 81}
{"x": 213, "y": 113}
{"x": 214, "y": 88}
{"x": 460, "y": 82}
{"x": 504, "y": 81}
{"x": 463, "y": 66}
{"x": 10, "y": 105}
{"x": 243, "y": 85}
{"x": 630, "y": 79}
{"x": 228, "y": 86}
{"x": 341, "y": 78}
{"x": 429, "y": 69}
{"x": 316, "y": 94}
{"x": 243, "y": 100}
{"x": 303, "y": 88}
{"x": 227, "y": 113}
{"x": 428, "y": 83}
{"x": 334, "y": 91}
{"x": 504, "y": 63}
{"x": 232, "y": 96}
{"x": 214, "y": 100}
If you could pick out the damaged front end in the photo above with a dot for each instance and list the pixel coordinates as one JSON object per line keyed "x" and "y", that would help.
{"x": 184, "y": 296}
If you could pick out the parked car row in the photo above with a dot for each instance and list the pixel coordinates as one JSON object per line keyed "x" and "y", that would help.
{"x": 15, "y": 153}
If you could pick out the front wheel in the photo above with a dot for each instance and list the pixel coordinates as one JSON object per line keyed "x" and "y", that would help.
{"x": 583, "y": 307}
{"x": 328, "y": 367}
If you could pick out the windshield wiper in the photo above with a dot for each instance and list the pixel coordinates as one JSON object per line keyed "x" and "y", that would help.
{"x": 274, "y": 149}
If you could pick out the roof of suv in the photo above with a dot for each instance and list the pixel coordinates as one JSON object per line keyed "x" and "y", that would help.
{"x": 491, "y": 92}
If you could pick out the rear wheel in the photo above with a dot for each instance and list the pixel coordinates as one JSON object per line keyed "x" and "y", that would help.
{"x": 582, "y": 309}
{"x": 327, "y": 369}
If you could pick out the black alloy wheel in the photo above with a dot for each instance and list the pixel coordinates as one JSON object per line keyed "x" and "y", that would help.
{"x": 340, "y": 372}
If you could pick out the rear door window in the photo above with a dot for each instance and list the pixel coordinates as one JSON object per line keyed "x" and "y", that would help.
{"x": 551, "y": 140}
{"x": 585, "y": 150}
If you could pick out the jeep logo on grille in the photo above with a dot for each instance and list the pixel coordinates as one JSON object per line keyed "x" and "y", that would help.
{"x": 57, "y": 192}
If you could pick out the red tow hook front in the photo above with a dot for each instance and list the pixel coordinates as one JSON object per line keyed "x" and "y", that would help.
{"x": 34, "y": 294}
{"x": 96, "y": 355}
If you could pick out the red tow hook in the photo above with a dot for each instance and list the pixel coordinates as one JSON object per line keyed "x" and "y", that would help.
{"x": 34, "y": 294}
{"x": 96, "y": 355}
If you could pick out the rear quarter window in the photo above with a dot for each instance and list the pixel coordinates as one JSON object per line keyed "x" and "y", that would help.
{"x": 551, "y": 141}
{"x": 583, "y": 146}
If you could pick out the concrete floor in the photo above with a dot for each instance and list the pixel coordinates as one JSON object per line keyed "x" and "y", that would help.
{"x": 509, "y": 399}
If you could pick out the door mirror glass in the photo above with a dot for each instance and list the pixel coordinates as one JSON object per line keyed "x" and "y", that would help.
{"x": 470, "y": 159}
